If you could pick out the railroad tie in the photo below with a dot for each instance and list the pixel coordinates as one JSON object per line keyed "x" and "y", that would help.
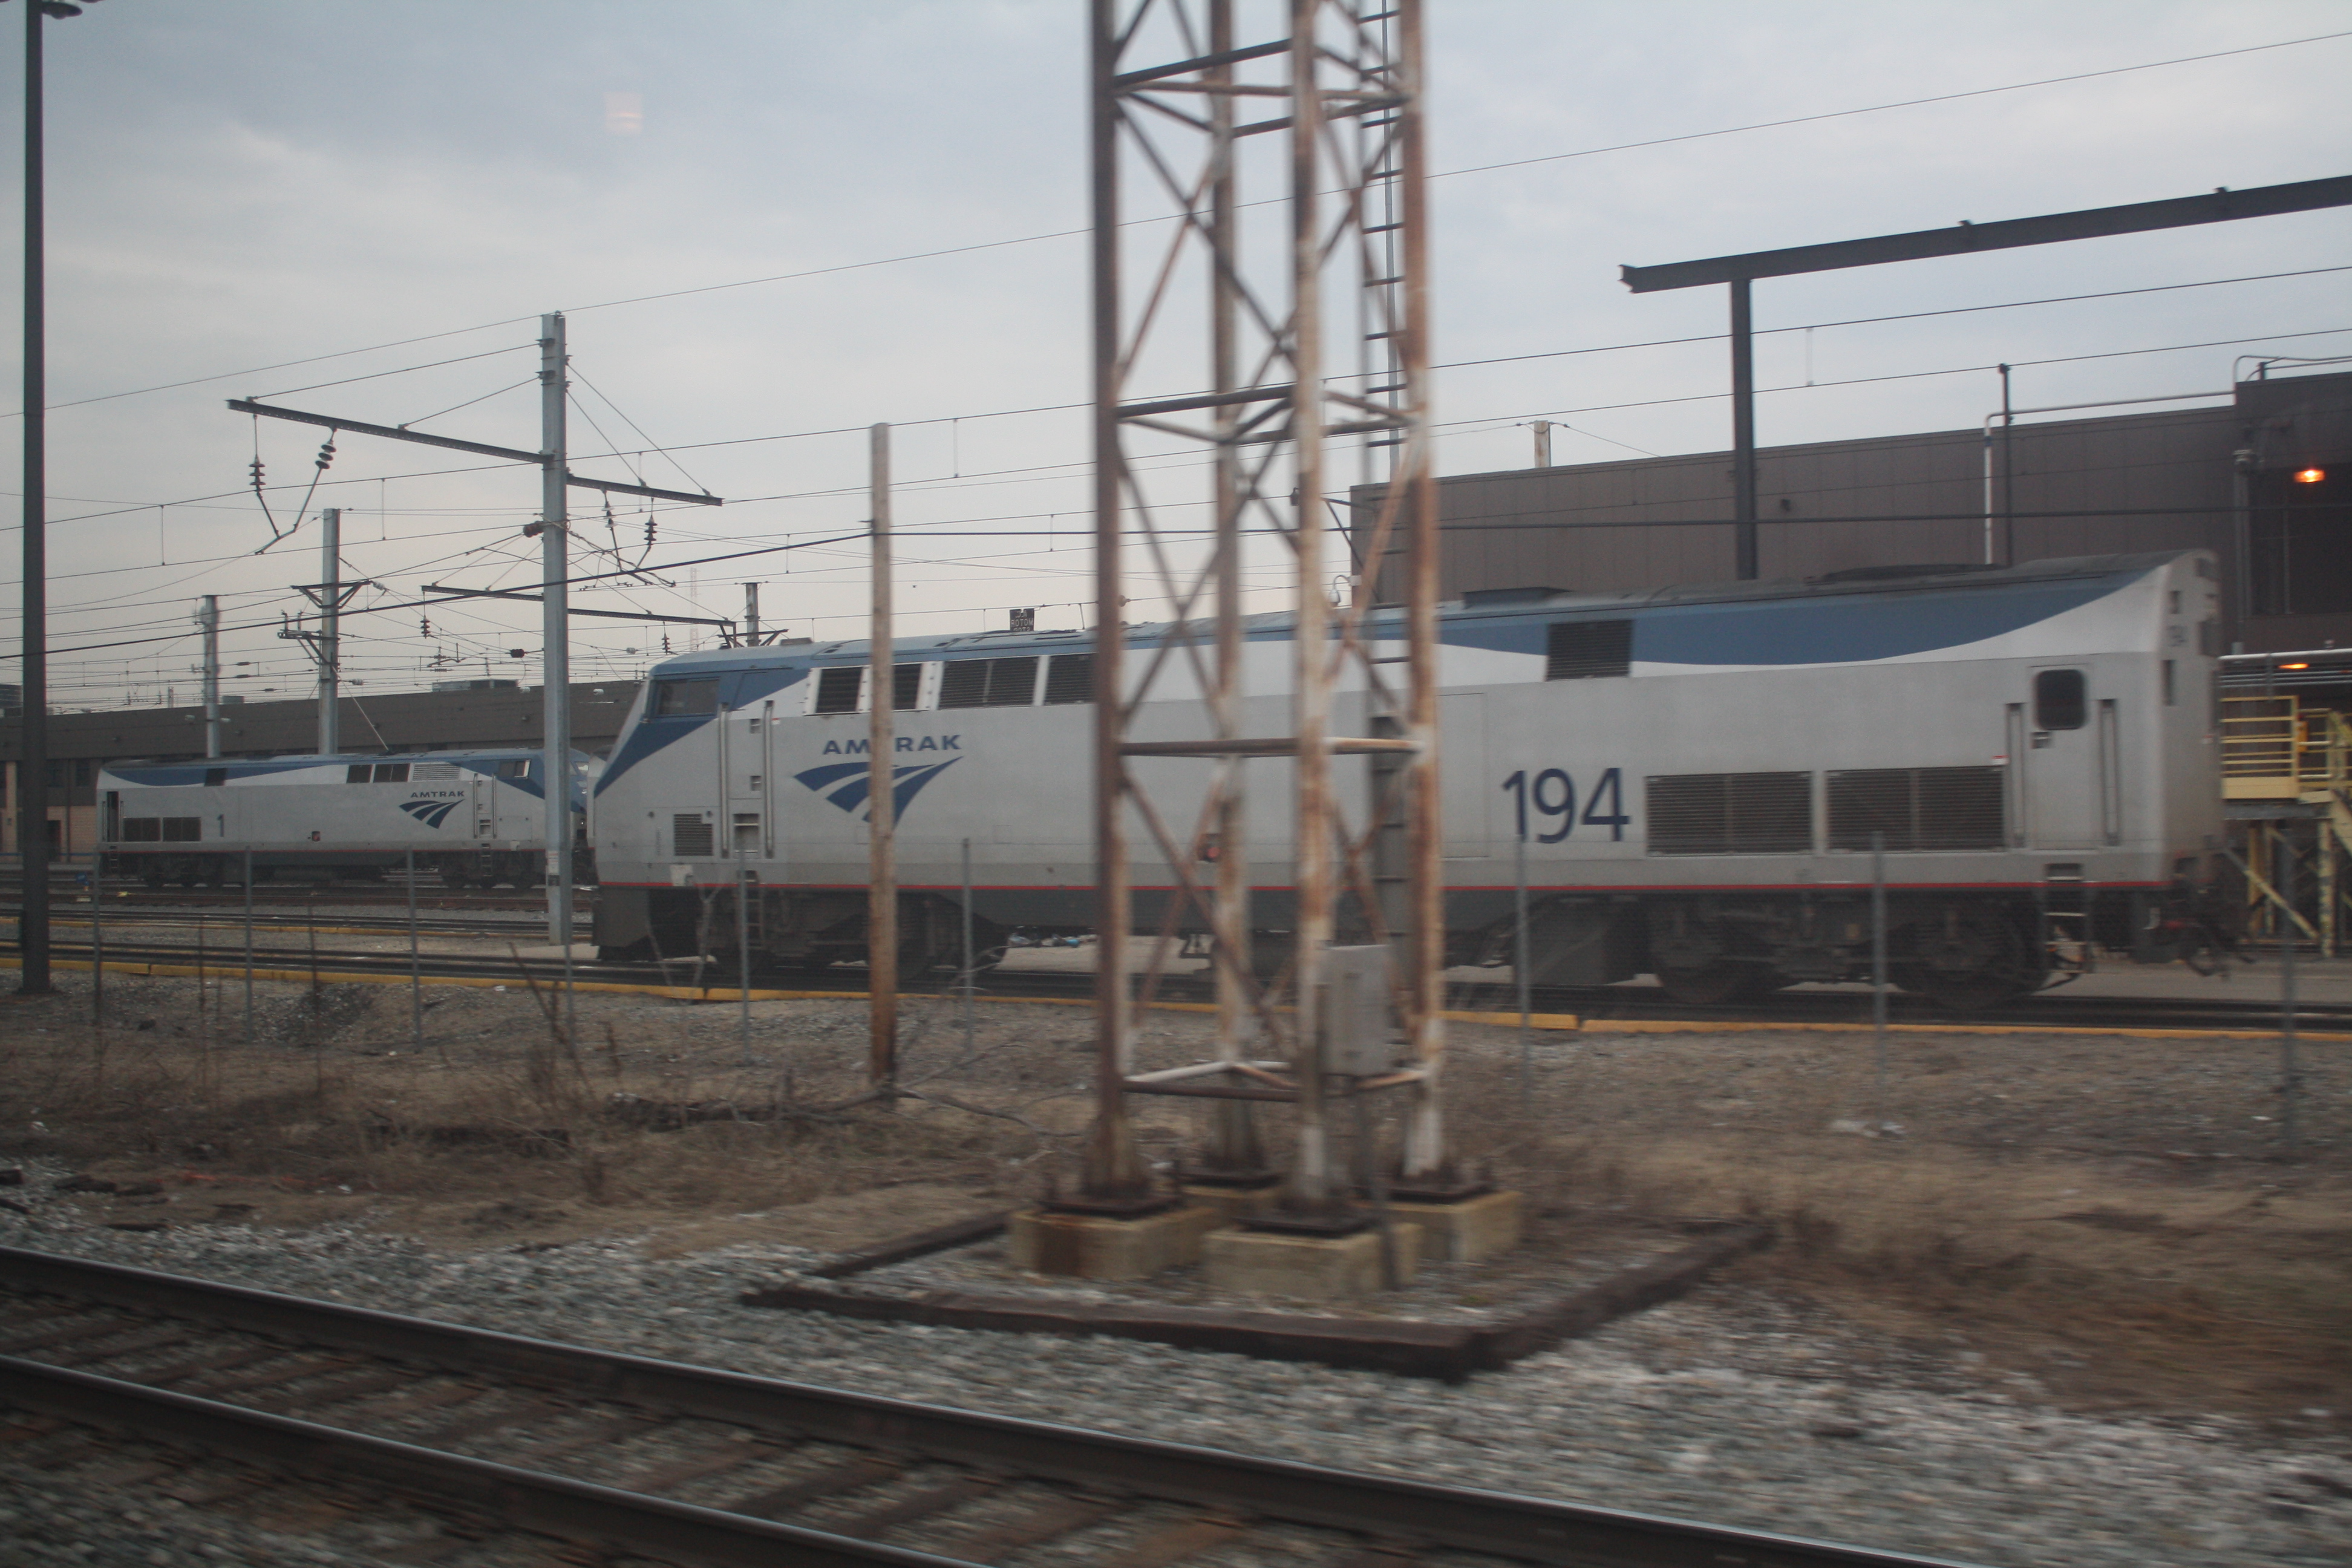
{"x": 211, "y": 1360}
{"x": 604, "y": 1433}
{"x": 875, "y": 1523}
{"x": 158, "y": 1337}
{"x": 86, "y": 1329}
{"x": 1174, "y": 1542}
{"x": 1057, "y": 1516}
{"x": 1389, "y": 1554}
{"x": 488, "y": 1421}
{"x": 667, "y": 1478}
{"x": 834, "y": 1479}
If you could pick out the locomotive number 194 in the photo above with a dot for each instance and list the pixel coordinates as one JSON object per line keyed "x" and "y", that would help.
{"x": 1552, "y": 793}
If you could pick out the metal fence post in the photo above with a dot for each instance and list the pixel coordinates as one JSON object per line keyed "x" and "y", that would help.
{"x": 416, "y": 968}
{"x": 2290, "y": 1073}
{"x": 968, "y": 958}
{"x": 1519, "y": 967}
{"x": 1878, "y": 979}
{"x": 743, "y": 939}
{"x": 96, "y": 937}
{"x": 249, "y": 947}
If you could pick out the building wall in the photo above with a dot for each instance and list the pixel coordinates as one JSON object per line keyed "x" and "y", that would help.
{"x": 2160, "y": 480}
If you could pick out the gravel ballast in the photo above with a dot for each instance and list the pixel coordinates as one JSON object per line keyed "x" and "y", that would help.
{"x": 1725, "y": 1407}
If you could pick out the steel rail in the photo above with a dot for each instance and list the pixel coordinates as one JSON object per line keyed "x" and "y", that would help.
{"x": 1591, "y": 1006}
{"x": 518, "y": 1499}
{"x": 1387, "y": 1508}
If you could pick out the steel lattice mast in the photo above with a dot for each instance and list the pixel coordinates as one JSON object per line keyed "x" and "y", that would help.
{"x": 1326, "y": 101}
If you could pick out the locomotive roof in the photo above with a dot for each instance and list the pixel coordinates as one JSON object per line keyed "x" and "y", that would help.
{"x": 311, "y": 759}
{"x": 1866, "y": 581}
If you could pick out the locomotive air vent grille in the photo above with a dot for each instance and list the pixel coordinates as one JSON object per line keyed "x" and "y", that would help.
{"x": 837, "y": 688}
{"x": 1582, "y": 651}
{"x": 1730, "y": 814}
{"x": 989, "y": 683}
{"x": 1070, "y": 679}
{"x": 1918, "y": 808}
{"x": 905, "y": 686}
{"x": 689, "y": 835}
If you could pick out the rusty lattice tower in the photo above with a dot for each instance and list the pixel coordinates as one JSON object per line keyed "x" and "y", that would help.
{"x": 1231, "y": 368}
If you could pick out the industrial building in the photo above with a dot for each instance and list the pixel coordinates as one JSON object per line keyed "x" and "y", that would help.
{"x": 438, "y": 721}
{"x": 2263, "y": 480}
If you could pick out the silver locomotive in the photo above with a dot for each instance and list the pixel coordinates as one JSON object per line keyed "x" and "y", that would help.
{"x": 1701, "y": 778}
{"x": 478, "y": 818}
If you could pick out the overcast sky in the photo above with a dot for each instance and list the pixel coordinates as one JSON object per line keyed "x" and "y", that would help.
{"x": 240, "y": 184}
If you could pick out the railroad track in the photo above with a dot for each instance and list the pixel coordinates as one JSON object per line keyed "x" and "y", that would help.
{"x": 695, "y": 1465}
{"x": 1633, "y": 1005}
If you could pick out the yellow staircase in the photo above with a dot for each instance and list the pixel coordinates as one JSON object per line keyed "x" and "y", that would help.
{"x": 2279, "y": 748}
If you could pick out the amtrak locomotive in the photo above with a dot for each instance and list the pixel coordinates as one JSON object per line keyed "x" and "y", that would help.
{"x": 478, "y": 818}
{"x": 1699, "y": 776}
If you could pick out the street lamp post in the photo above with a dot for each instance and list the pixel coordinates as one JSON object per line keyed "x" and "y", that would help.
{"x": 33, "y": 761}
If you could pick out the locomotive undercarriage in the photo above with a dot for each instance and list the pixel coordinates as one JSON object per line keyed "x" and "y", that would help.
{"x": 1965, "y": 951}
{"x": 787, "y": 931}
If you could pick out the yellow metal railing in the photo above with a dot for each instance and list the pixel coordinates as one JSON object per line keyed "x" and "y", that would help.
{"x": 2274, "y": 748}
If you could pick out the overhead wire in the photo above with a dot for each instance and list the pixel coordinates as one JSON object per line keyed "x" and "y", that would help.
{"x": 1074, "y": 233}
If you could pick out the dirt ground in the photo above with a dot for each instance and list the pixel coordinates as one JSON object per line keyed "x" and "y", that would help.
{"x": 2119, "y": 1216}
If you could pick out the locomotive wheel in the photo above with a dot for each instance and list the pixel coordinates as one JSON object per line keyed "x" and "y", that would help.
{"x": 1969, "y": 960}
{"x": 1717, "y": 983}
{"x": 455, "y": 878}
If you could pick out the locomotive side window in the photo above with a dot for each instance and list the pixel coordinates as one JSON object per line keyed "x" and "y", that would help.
{"x": 1070, "y": 679}
{"x": 215, "y": 777}
{"x": 392, "y": 772}
{"x": 359, "y": 772}
{"x": 1584, "y": 650}
{"x": 989, "y": 683}
{"x": 2061, "y": 700}
{"x": 143, "y": 830}
{"x": 837, "y": 688}
{"x": 1730, "y": 814}
{"x": 681, "y": 699}
{"x": 515, "y": 768}
{"x": 1917, "y": 808}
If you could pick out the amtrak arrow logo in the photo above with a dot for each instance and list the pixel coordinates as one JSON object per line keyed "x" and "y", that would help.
{"x": 432, "y": 812}
{"x": 846, "y": 783}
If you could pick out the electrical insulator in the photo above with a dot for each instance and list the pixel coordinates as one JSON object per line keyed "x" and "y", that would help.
{"x": 665, "y": 642}
{"x": 256, "y": 467}
{"x": 326, "y": 454}
{"x": 424, "y": 628}
{"x": 649, "y": 532}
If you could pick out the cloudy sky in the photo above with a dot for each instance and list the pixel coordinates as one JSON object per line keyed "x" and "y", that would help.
{"x": 248, "y": 197}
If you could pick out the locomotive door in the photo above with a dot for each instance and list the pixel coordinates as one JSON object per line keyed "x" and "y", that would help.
{"x": 2064, "y": 784}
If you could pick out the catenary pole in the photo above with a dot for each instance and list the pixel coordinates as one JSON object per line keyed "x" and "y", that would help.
{"x": 331, "y": 640}
{"x": 33, "y": 761}
{"x": 555, "y": 653}
{"x": 208, "y": 617}
{"x": 881, "y": 812}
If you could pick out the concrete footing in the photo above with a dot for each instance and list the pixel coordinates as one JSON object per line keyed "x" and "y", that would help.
{"x": 1095, "y": 1246}
{"x": 1306, "y": 1267}
{"x": 1233, "y": 1202}
{"x": 1469, "y": 1231}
